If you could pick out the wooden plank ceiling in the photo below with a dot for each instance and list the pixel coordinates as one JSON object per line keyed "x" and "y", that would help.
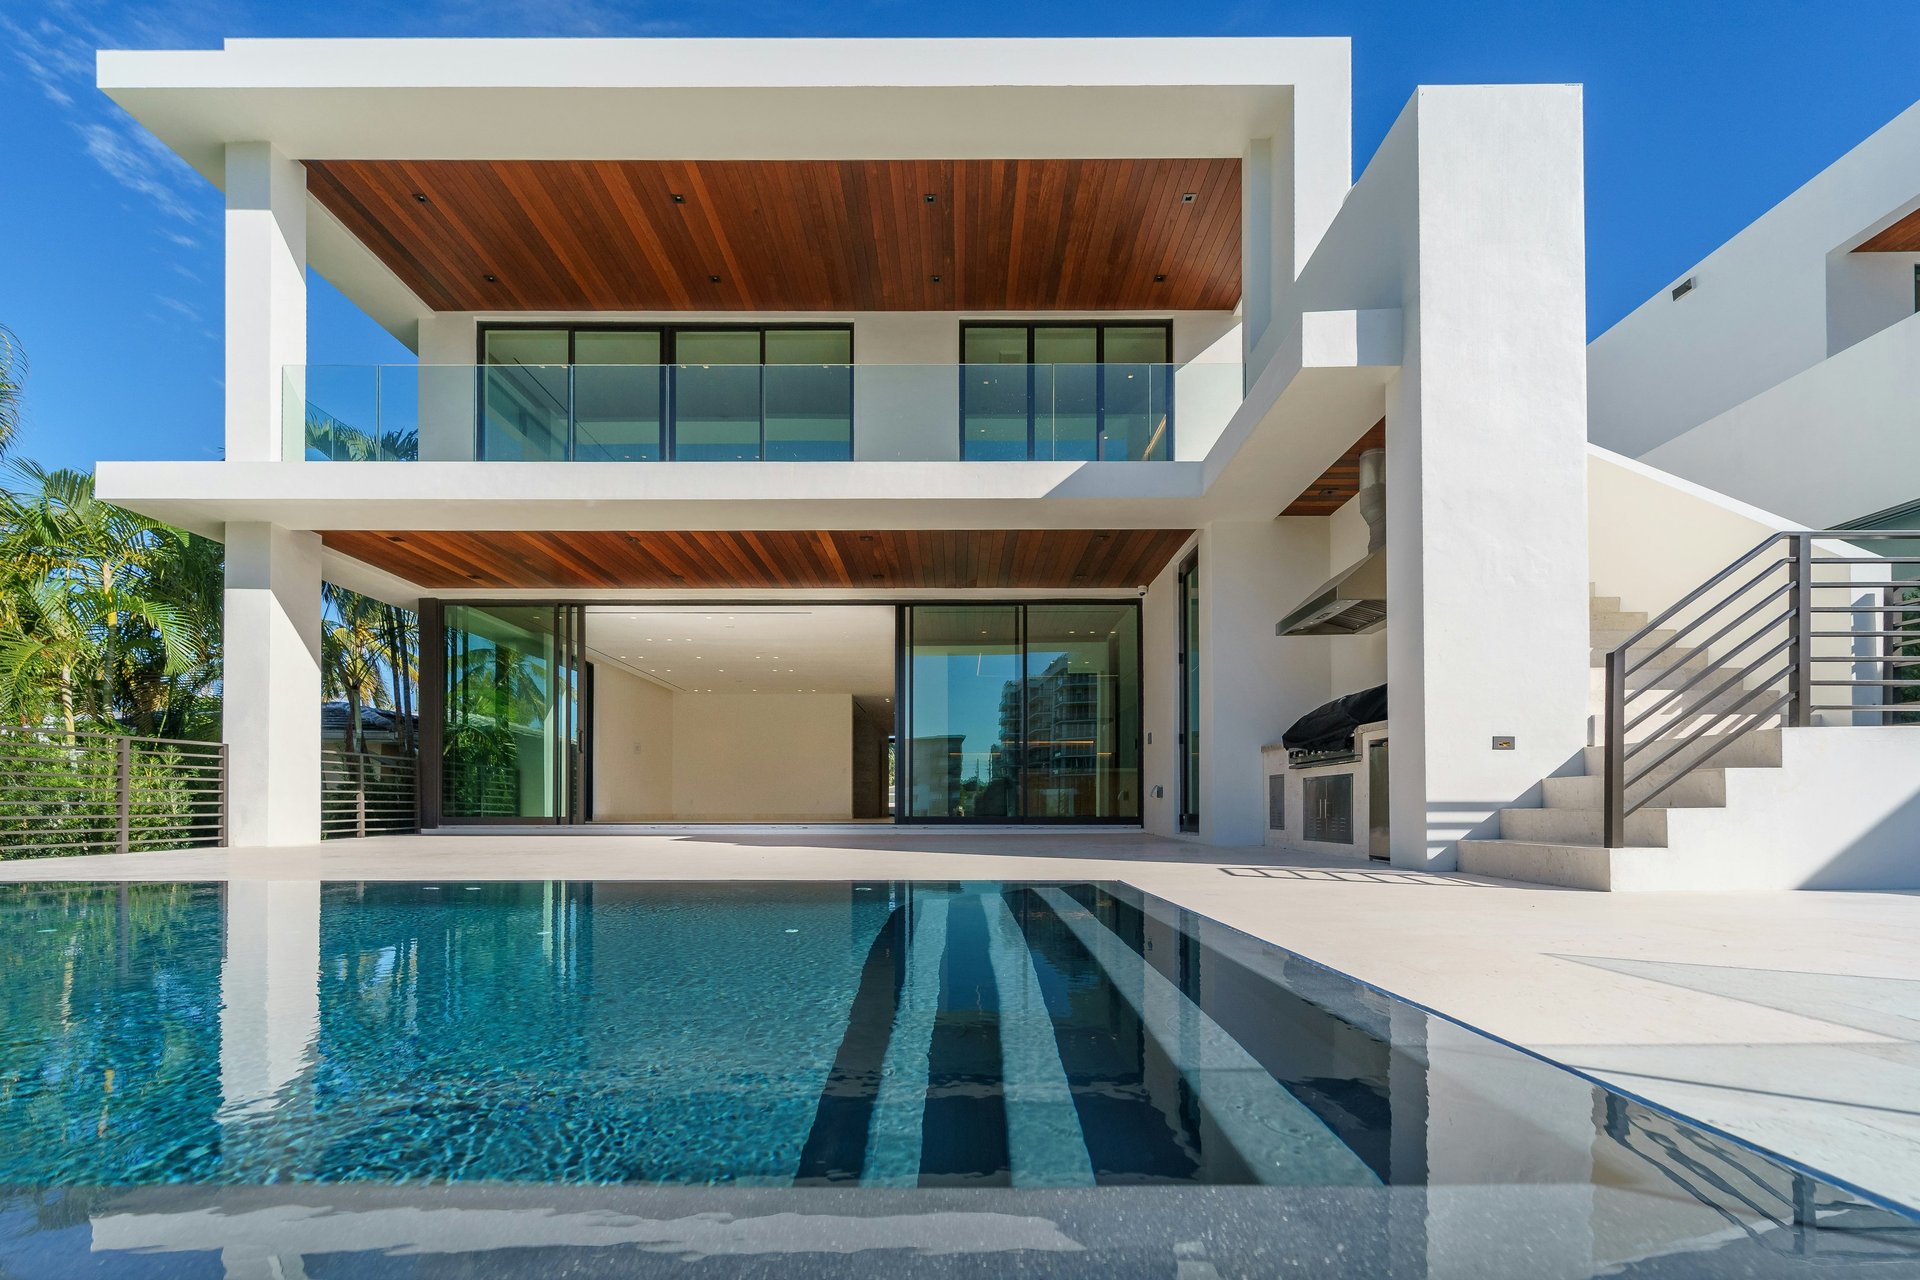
{"x": 1902, "y": 237}
{"x": 1339, "y": 482}
{"x": 877, "y": 559}
{"x": 797, "y": 235}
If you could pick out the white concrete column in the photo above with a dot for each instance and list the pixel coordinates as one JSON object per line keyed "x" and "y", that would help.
{"x": 1252, "y": 683}
{"x": 1486, "y": 461}
{"x": 266, "y": 297}
{"x": 448, "y": 386}
{"x": 271, "y": 698}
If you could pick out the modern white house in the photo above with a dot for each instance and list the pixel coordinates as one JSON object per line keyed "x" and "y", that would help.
{"x": 1780, "y": 369}
{"x": 998, "y": 433}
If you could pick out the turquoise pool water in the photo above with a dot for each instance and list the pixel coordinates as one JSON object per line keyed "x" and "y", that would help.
{"x": 1020, "y": 1074}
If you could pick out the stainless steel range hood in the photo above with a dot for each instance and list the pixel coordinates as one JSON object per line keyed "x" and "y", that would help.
{"x": 1353, "y": 601}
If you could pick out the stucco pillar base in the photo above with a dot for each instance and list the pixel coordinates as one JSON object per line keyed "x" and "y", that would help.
{"x": 271, "y": 699}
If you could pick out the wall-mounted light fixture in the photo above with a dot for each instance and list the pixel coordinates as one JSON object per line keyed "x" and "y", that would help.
{"x": 1682, "y": 289}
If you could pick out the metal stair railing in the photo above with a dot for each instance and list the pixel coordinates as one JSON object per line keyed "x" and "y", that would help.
{"x": 1793, "y": 641}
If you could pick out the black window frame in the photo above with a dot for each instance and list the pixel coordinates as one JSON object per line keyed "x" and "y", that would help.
{"x": 1187, "y": 797}
{"x": 903, "y": 712}
{"x": 1099, "y": 328}
{"x": 669, "y": 357}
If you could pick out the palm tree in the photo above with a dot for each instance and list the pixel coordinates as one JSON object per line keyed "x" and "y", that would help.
{"x": 77, "y": 598}
{"x": 13, "y": 378}
{"x": 353, "y": 656}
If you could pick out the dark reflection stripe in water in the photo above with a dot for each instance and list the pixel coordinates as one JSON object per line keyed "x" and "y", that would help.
{"x": 1326, "y": 1057}
{"x": 836, "y": 1146}
{"x": 1135, "y": 1120}
{"x": 964, "y": 1122}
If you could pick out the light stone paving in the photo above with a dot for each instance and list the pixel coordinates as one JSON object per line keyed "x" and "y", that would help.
{"x": 1791, "y": 1020}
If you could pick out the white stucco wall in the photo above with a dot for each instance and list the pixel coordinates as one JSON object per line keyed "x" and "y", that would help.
{"x": 1776, "y": 299}
{"x": 1832, "y": 444}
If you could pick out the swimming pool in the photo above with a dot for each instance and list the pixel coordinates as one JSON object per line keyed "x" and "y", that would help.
{"x": 887, "y": 1077}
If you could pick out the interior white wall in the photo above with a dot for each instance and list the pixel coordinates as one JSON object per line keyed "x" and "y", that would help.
{"x": 1776, "y": 299}
{"x": 632, "y": 747}
{"x": 774, "y": 757}
{"x": 662, "y": 755}
{"x": 1470, "y": 218}
{"x": 1836, "y": 442}
{"x": 270, "y": 704}
{"x": 266, "y": 295}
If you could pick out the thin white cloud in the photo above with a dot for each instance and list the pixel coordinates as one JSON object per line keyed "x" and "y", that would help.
{"x": 142, "y": 163}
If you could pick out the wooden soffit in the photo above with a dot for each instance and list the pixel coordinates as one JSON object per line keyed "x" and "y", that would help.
{"x": 1339, "y": 482}
{"x": 876, "y": 559}
{"x": 797, "y": 235}
{"x": 1902, "y": 237}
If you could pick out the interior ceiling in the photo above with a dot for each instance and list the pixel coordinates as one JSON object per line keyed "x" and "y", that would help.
{"x": 840, "y": 649}
{"x": 798, "y": 235}
{"x": 1902, "y": 237}
{"x": 786, "y": 558}
{"x": 1339, "y": 482}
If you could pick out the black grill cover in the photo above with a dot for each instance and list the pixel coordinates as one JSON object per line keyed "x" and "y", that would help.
{"x": 1330, "y": 727}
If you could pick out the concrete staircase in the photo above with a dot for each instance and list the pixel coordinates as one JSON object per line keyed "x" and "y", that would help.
{"x": 1561, "y": 841}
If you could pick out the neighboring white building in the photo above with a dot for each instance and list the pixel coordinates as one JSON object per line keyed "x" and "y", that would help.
{"x": 1013, "y": 390}
{"x": 1782, "y": 368}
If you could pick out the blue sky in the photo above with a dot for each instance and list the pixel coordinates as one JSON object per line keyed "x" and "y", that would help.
{"x": 1699, "y": 117}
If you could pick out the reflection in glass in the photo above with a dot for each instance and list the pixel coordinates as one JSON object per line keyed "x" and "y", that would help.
{"x": 1082, "y": 751}
{"x": 525, "y": 395}
{"x": 995, "y": 394}
{"x": 508, "y": 707}
{"x": 1066, "y": 393}
{"x": 1137, "y": 394}
{"x": 617, "y": 395}
{"x": 717, "y": 396}
{"x": 809, "y": 395}
{"x": 963, "y": 711}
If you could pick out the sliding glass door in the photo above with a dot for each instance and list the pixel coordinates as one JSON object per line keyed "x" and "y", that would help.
{"x": 510, "y": 714}
{"x": 1017, "y": 712}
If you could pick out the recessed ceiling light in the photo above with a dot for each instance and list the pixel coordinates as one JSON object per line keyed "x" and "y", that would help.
{"x": 929, "y": 197}
{"x": 678, "y": 198}
{"x": 936, "y": 279}
{"x": 713, "y": 279}
{"x": 491, "y": 279}
{"x": 1188, "y": 197}
{"x": 421, "y": 196}
{"x": 1159, "y": 278}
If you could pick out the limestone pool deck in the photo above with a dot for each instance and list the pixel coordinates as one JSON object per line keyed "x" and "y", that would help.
{"x": 1790, "y": 1020}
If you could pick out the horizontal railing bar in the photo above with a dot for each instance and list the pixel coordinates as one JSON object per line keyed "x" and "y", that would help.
{"x": 1856, "y": 608}
{"x": 1895, "y": 659}
{"x": 1909, "y": 633}
{"x": 1881, "y": 684}
{"x": 1820, "y": 560}
{"x": 1727, "y": 741}
{"x": 1699, "y": 618}
{"x": 57, "y": 737}
{"x": 1870, "y": 708}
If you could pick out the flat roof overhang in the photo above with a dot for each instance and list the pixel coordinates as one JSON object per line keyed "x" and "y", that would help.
{"x": 1133, "y": 123}
{"x": 721, "y": 99}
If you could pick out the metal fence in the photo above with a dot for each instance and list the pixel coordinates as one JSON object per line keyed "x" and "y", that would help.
{"x": 364, "y": 793}
{"x": 93, "y": 792}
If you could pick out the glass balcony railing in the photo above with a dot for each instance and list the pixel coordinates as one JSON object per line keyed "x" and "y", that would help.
{"x": 753, "y": 413}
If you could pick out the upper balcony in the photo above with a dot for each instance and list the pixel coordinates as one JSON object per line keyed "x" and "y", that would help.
{"x": 615, "y": 413}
